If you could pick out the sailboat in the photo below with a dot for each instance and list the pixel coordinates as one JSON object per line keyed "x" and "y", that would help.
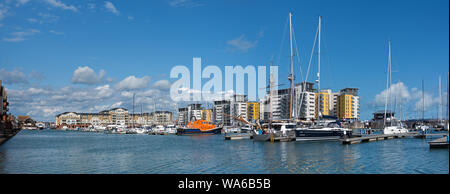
{"x": 391, "y": 125}
{"x": 447, "y": 124}
{"x": 422, "y": 127}
{"x": 278, "y": 129}
{"x": 320, "y": 131}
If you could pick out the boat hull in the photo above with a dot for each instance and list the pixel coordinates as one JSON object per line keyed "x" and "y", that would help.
{"x": 189, "y": 131}
{"x": 261, "y": 137}
{"x": 320, "y": 135}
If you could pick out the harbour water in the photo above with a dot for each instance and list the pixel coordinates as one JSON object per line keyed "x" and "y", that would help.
{"x": 61, "y": 152}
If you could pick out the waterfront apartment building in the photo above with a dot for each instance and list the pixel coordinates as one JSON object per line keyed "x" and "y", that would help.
{"x": 238, "y": 108}
{"x": 189, "y": 113}
{"x": 253, "y": 112}
{"x": 279, "y": 104}
{"x": 115, "y": 116}
{"x": 194, "y": 112}
{"x": 162, "y": 117}
{"x": 207, "y": 115}
{"x": 348, "y": 104}
{"x": 4, "y": 103}
{"x": 182, "y": 116}
{"x": 304, "y": 101}
{"x": 324, "y": 105}
{"x": 221, "y": 109}
{"x": 342, "y": 105}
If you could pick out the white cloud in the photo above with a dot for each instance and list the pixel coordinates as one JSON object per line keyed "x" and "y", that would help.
{"x": 111, "y": 8}
{"x": 117, "y": 104}
{"x": 132, "y": 83}
{"x": 241, "y": 44}
{"x": 59, "y": 4}
{"x": 32, "y": 20}
{"x": 104, "y": 91}
{"x": 85, "y": 75}
{"x": 13, "y": 77}
{"x": 15, "y": 39}
{"x": 21, "y": 35}
{"x": 130, "y": 18}
{"x": 397, "y": 91}
{"x": 21, "y": 2}
{"x": 3, "y": 11}
{"x": 416, "y": 99}
{"x": 184, "y": 3}
{"x": 38, "y": 91}
{"x": 47, "y": 18}
{"x": 56, "y": 33}
{"x": 162, "y": 85}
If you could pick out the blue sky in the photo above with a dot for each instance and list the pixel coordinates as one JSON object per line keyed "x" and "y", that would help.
{"x": 119, "y": 47}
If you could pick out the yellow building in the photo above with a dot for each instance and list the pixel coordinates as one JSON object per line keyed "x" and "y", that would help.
{"x": 344, "y": 106}
{"x": 252, "y": 111}
{"x": 207, "y": 115}
{"x": 324, "y": 103}
{"x": 347, "y": 106}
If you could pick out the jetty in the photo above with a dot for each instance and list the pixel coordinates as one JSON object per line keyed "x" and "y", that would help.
{"x": 439, "y": 143}
{"x": 378, "y": 137}
{"x": 238, "y": 136}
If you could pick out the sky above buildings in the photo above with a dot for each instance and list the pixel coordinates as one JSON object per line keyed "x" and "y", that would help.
{"x": 87, "y": 56}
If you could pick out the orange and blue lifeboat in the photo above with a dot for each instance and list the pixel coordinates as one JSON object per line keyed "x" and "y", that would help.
{"x": 199, "y": 127}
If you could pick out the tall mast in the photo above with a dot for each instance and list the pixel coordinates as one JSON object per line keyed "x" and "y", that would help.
{"x": 318, "y": 72}
{"x": 270, "y": 94}
{"x": 387, "y": 85}
{"x": 423, "y": 102}
{"x": 133, "y": 110}
{"x": 390, "y": 81}
{"x": 440, "y": 100}
{"x": 291, "y": 76}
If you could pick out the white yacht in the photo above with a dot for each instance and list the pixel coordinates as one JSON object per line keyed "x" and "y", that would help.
{"x": 158, "y": 129}
{"x": 330, "y": 131}
{"x": 394, "y": 126}
{"x": 232, "y": 130}
{"x": 141, "y": 130}
{"x": 171, "y": 129}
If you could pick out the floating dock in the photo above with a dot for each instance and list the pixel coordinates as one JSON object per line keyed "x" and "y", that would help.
{"x": 439, "y": 143}
{"x": 371, "y": 138}
{"x": 237, "y": 136}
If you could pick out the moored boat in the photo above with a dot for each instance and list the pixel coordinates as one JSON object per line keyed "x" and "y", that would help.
{"x": 332, "y": 131}
{"x": 276, "y": 130}
{"x": 199, "y": 127}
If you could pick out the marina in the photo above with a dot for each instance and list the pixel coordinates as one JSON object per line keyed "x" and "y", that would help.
{"x": 311, "y": 88}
